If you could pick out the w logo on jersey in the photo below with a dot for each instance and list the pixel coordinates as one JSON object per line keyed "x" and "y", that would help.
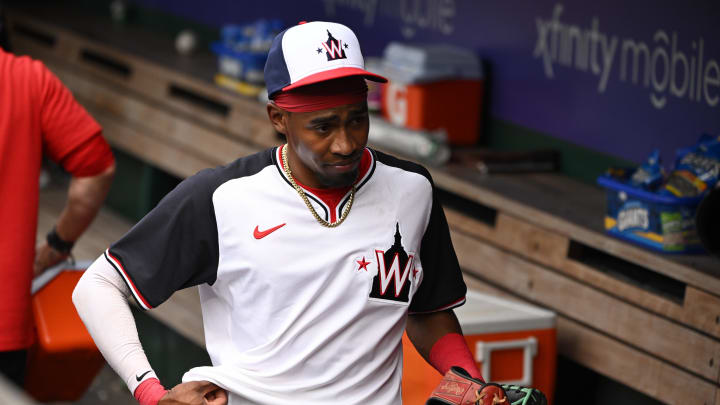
{"x": 334, "y": 48}
{"x": 395, "y": 272}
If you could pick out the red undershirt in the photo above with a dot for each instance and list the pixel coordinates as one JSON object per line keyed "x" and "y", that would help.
{"x": 333, "y": 196}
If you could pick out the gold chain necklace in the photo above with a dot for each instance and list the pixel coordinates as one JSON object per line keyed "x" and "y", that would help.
{"x": 300, "y": 191}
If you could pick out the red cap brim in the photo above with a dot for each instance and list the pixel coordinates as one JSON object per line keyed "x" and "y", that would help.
{"x": 335, "y": 74}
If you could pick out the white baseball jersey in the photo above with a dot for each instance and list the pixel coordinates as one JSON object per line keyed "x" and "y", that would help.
{"x": 295, "y": 312}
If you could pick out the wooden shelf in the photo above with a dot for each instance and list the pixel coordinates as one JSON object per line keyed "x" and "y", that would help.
{"x": 171, "y": 84}
{"x": 562, "y": 205}
{"x": 128, "y": 39}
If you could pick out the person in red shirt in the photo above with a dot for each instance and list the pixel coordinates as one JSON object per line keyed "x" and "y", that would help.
{"x": 40, "y": 118}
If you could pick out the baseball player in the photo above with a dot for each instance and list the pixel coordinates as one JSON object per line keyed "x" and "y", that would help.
{"x": 311, "y": 258}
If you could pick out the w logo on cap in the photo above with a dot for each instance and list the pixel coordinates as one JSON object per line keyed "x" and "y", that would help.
{"x": 334, "y": 48}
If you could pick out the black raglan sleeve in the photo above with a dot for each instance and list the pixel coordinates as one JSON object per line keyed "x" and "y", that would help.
{"x": 442, "y": 285}
{"x": 174, "y": 246}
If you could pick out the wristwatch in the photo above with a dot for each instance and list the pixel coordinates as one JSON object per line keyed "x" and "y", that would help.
{"x": 56, "y": 242}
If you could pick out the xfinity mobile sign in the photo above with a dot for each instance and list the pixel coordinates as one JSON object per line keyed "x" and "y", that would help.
{"x": 668, "y": 67}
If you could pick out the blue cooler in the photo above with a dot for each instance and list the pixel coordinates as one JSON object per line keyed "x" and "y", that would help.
{"x": 242, "y": 49}
{"x": 660, "y": 222}
{"x": 246, "y": 66}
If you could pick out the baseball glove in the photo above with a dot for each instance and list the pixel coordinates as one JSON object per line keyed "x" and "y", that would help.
{"x": 518, "y": 395}
{"x": 458, "y": 388}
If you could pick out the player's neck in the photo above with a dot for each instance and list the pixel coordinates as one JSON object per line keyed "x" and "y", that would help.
{"x": 332, "y": 195}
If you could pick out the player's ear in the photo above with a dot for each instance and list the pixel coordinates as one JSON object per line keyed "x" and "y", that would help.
{"x": 277, "y": 118}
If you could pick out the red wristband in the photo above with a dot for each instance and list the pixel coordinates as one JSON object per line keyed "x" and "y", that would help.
{"x": 451, "y": 350}
{"x": 150, "y": 392}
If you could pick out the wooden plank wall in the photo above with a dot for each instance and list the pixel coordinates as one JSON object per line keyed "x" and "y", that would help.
{"x": 664, "y": 345}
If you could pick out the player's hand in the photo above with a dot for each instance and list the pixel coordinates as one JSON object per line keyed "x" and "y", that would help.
{"x": 46, "y": 257}
{"x": 195, "y": 393}
{"x": 458, "y": 388}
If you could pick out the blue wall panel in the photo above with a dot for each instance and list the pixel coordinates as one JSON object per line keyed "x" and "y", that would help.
{"x": 619, "y": 77}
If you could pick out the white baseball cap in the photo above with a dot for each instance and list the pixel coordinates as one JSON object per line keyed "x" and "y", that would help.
{"x": 313, "y": 52}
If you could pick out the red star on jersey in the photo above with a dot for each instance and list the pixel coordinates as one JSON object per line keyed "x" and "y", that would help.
{"x": 363, "y": 264}
{"x": 415, "y": 272}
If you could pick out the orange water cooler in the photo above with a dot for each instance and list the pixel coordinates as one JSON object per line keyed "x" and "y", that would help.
{"x": 512, "y": 343}
{"x": 452, "y": 105}
{"x": 64, "y": 359}
{"x": 432, "y": 87}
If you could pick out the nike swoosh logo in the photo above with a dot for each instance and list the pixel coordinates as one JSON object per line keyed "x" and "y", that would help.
{"x": 258, "y": 234}
{"x": 142, "y": 375}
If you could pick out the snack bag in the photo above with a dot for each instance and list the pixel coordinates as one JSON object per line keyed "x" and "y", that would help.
{"x": 697, "y": 169}
{"x": 650, "y": 174}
